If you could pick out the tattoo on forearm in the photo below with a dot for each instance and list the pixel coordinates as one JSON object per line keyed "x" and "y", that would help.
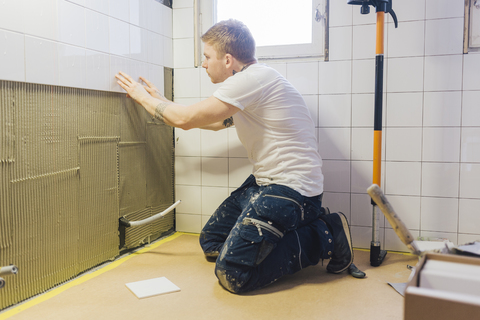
{"x": 159, "y": 109}
{"x": 228, "y": 122}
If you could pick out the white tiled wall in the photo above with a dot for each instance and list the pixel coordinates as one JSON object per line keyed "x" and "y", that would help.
{"x": 84, "y": 43}
{"x": 431, "y": 136}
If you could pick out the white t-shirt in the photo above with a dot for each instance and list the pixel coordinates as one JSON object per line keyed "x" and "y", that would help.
{"x": 275, "y": 126}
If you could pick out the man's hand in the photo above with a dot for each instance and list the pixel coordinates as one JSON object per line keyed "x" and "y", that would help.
{"x": 150, "y": 87}
{"x": 134, "y": 89}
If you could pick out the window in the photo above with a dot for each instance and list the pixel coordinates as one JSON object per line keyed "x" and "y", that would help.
{"x": 283, "y": 29}
{"x": 472, "y": 26}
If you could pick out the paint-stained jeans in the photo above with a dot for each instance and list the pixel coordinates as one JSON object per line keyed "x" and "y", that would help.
{"x": 263, "y": 233}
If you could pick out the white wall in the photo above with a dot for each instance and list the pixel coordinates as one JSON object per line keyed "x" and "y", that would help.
{"x": 84, "y": 43}
{"x": 431, "y": 152}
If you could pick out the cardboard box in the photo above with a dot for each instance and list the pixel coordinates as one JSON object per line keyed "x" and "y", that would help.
{"x": 428, "y": 304}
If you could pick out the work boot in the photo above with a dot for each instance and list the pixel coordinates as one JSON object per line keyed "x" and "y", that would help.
{"x": 342, "y": 256}
{"x": 211, "y": 256}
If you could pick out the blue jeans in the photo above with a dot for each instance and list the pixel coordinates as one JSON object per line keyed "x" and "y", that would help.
{"x": 263, "y": 233}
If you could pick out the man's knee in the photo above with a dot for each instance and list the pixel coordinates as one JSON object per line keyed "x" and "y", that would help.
{"x": 234, "y": 281}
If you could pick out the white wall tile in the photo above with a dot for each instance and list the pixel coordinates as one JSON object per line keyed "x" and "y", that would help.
{"x": 364, "y": 37}
{"x": 361, "y": 210}
{"x": 207, "y": 87}
{"x": 442, "y": 109}
{"x": 404, "y": 109}
{"x": 71, "y": 23}
{"x": 312, "y": 104}
{"x": 96, "y": 31}
{"x": 212, "y": 198}
{"x": 470, "y": 145}
{"x": 183, "y": 51}
{"x": 139, "y": 43}
{"x": 98, "y": 5}
{"x": 341, "y": 13}
{"x": 214, "y": 143}
{"x": 362, "y": 144}
{"x": 119, "y": 37}
{"x": 97, "y": 71}
{"x": 363, "y": 110}
{"x": 440, "y": 179}
{"x": 405, "y": 74}
{"x": 334, "y": 143}
{"x": 441, "y": 144}
{"x": 393, "y": 242}
{"x": 470, "y": 110}
{"x": 117, "y": 64}
{"x": 469, "y": 178}
{"x": 439, "y": 214}
{"x": 235, "y": 146}
{"x": 337, "y": 202}
{"x": 188, "y": 223}
{"x": 336, "y": 176}
{"x": 442, "y": 36}
{"x": 281, "y": 67}
{"x": 188, "y": 171}
{"x": 138, "y": 13}
{"x": 436, "y": 235}
{"x": 438, "y": 9}
{"x": 168, "y": 52}
{"x": 359, "y": 19}
{"x": 363, "y": 76}
{"x": 471, "y": 72}
{"x": 156, "y": 75}
{"x": 408, "y": 208}
{"x": 362, "y": 236}
{"x": 303, "y": 76}
{"x": 182, "y": 4}
{"x": 404, "y": 12}
{"x": 334, "y": 110}
{"x": 407, "y": 40}
{"x": 340, "y": 45}
{"x": 403, "y": 144}
{"x": 215, "y": 172}
{"x": 155, "y": 48}
{"x": 361, "y": 175}
{"x": 119, "y": 9}
{"x": 187, "y": 83}
{"x": 183, "y": 23}
{"x": 41, "y": 61}
{"x": 467, "y": 238}
{"x": 191, "y": 197}
{"x": 187, "y": 143}
{"x": 12, "y": 15}
{"x": 403, "y": 178}
{"x": 40, "y": 18}
{"x": 155, "y": 17}
{"x": 443, "y": 73}
{"x": 168, "y": 22}
{"x": 469, "y": 217}
{"x": 12, "y": 63}
{"x": 239, "y": 170}
{"x": 335, "y": 77}
{"x": 71, "y": 66}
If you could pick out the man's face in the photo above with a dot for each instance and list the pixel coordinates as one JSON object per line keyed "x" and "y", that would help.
{"x": 216, "y": 68}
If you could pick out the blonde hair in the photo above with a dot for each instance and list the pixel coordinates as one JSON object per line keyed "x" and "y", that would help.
{"x": 233, "y": 37}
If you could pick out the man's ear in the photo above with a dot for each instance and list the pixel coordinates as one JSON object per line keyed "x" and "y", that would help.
{"x": 229, "y": 60}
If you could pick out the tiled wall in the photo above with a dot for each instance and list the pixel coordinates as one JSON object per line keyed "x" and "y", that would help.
{"x": 431, "y": 144}
{"x": 84, "y": 43}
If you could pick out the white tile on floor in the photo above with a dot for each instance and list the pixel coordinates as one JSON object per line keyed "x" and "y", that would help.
{"x": 403, "y": 144}
{"x": 341, "y": 13}
{"x": 235, "y": 146}
{"x": 442, "y": 109}
{"x": 214, "y": 143}
{"x": 187, "y": 143}
{"x": 239, "y": 169}
{"x": 441, "y": 144}
{"x": 168, "y": 52}
{"x": 335, "y": 77}
{"x": 439, "y": 9}
{"x": 191, "y": 197}
{"x": 155, "y": 48}
{"x": 41, "y": 61}
{"x": 469, "y": 217}
{"x": 439, "y": 214}
{"x": 336, "y": 176}
{"x": 139, "y": 43}
{"x": 470, "y": 110}
{"x": 443, "y": 73}
{"x": 363, "y": 110}
{"x": 40, "y": 18}
{"x": 187, "y": 83}
{"x": 71, "y": 23}
{"x": 340, "y": 46}
{"x": 12, "y": 15}
{"x": 362, "y": 144}
{"x": 303, "y": 76}
{"x": 403, "y": 178}
{"x": 334, "y": 110}
{"x": 405, "y": 74}
{"x": 183, "y": 51}
{"x": 96, "y": 31}
{"x": 152, "y": 287}
{"x": 334, "y": 143}
{"x": 361, "y": 175}
{"x": 407, "y": 208}
{"x": 97, "y": 70}
{"x": 188, "y": 171}
{"x": 212, "y": 198}
{"x": 363, "y": 76}
{"x": 337, "y": 202}
{"x": 470, "y": 145}
{"x": 12, "y": 64}
{"x": 404, "y": 109}
{"x": 98, "y": 5}
{"x": 120, "y": 9}
{"x": 404, "y": 12}
{"x": 364, "y": 37}
{"x": 469, "y": 177}
{"x": 442, "y": 36}
{"x": 361, "y": 210}
{"x": 188, "y": 222}
{"x": 440, "y": 179}
{"x": 407, "y": 40}
{"x": 183, "y": 23}
{"x": 207, "y": 88}
{"x": 215, "y": 172}
{"x": 471, "y": 72}
{"x": 119, "y": 37}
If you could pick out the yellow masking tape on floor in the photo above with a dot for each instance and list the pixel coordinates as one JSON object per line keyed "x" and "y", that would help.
{"x": 84, "y": 278}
